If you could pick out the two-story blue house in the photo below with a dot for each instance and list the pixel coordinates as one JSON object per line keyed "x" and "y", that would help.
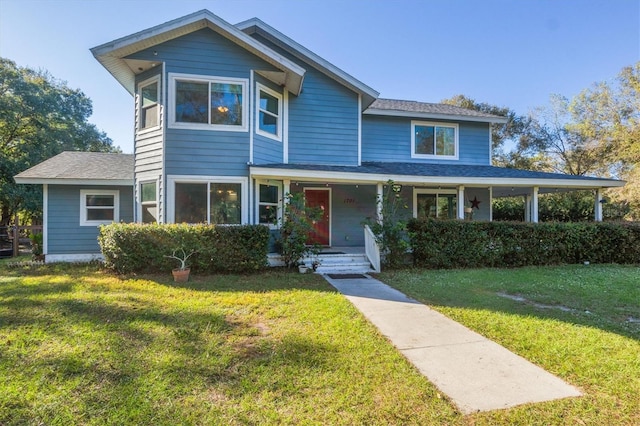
{"x": 230, "y": 118}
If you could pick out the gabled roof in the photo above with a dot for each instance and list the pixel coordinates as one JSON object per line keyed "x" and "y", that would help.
{"x": 434, "y": 174}
{"x": 256, "y": 26}
{"x": 112, "y": 55}
{"x": 73, "y": 168}
{"x": 400, "y": 108}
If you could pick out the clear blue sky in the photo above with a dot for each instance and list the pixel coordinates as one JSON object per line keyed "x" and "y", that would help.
{"x": 509, "y": 53}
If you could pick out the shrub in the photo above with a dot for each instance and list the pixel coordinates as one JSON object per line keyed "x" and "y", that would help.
{"x": 295, "y": 227}
{"x": 457, "y": 244}
{"x": 130, "y": 247}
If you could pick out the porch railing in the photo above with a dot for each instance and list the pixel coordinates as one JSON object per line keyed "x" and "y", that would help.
{"x": 371, "y": 248}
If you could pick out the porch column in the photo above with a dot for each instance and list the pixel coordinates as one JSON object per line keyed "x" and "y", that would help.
{"x": 379, "y": 197}
{"x": 534, "y": 205}
{"x": 598, "y": 206}
{"x": 461, "y": 202}
{"x": 527, "y": 208}
{"x": 491, "y": 204}
{"x": 286, "y": 189}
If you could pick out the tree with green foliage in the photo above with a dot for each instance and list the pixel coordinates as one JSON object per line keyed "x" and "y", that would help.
{"x": 40, "y": 117}
{"x": 511, "y": 131}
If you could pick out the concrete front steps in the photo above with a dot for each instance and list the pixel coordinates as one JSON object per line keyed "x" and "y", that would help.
{"x": 340, "y": 263}
{"x": 334, "y": 261}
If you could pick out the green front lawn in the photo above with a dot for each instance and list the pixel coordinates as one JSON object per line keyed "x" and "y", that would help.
{"x": 79, "y": 346}
{"x": 579, "y": 322}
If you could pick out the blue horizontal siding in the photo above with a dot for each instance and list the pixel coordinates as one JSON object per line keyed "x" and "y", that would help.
{"x": 323, "y": 119}
{"x": 65, "y": 235}
{"x": 201, "y": 152}
{"x": 323, "y": 123}
{"x": 389, "y": 139}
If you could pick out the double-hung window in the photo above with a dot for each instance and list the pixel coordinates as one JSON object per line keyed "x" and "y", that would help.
{"x": 149, "y": 202}
{"x": 434, "y": 140}
{"x": 268, "y": 112}
{"x": 98, "y": 207}
{"x": 208, "y": 103}
{"x": 269, "y": 211}
{"x": 148, "y": 106}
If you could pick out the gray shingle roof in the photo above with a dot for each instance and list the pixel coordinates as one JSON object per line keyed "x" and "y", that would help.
{"x": 438, "y": 170}
{"x": 89, "y": 166}
{"x": 423, "y": 108}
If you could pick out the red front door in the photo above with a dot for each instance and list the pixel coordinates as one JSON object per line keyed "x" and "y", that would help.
{"x": 319, "y": 198}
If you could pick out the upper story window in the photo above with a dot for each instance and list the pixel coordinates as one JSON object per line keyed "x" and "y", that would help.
{"x": 207, "y": 103}
{"x": 434, "y": 140}
{"x": 148, "y": 104}
{"x": 268, "y": 112}
{"x": 99, "y": 207}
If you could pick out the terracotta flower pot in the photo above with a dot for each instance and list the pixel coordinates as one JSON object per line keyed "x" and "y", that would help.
{"x": 181, "y": 275}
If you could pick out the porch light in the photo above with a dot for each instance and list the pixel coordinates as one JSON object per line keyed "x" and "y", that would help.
{"x": 396, "y": 187}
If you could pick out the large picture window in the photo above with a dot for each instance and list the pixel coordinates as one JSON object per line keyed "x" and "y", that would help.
{"x": 149, "y": 107}
{"x": 434, "y": 140}
{"x": 268, "y": 113}
{"x": 213, "y": 103}
{"x": 98, "y": 207}
{"x": 208, "y": 202}
{"x": 440, "y": 204}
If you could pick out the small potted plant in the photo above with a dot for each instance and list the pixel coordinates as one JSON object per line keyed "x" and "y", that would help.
{"x": 36, "y": 247}
{"x": 181, "y": 274}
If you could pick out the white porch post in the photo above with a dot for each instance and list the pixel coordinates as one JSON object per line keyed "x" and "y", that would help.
{"x": 491, "y": 204}
{"x": 379, "y": 197}
{"x": 534, "y": 205}
{"x": 527, "y": 208}
{"x": 252, "y": 207}
{"x": 598, "y": 206}
{"x": 286, "y": 189}
{"x": 461, "y": 202}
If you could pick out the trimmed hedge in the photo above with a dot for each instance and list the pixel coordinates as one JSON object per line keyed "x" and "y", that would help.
{"x": 458, "y": 244}
{"x": 131, "y": 247}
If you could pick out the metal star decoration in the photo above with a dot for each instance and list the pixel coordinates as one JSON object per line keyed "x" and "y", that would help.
{"x": 475, "y": 203}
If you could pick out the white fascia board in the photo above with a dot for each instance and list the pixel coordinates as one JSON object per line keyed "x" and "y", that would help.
{"x": 54, "y": 181}
{"x": 432, "y": 115}
{"x": 332, "y": 176}
{"x": 298, "y": 50}
{"x": 111, "y": 54}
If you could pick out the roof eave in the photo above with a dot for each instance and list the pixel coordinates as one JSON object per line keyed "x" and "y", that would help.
{"x": 61, "y": 181}
{"x": 255, "y": 25}
{"x": 344, "y": 176}
{"x": 111, "y": 55}
{"x": 436, "y": 116}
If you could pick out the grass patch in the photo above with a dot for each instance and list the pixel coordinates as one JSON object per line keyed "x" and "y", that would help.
{"x": 79, "y": 346}
{"x": 578, "y": 322}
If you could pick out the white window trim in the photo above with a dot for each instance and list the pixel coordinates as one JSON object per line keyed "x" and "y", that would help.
{"x": 435, "y": 192}
{"x": 171, "y": 193}
{"x": 278, "y": 204}
{"x": 141, "y": 85}
{"x": 141, "y": 203}
{"x": 456, "y": 128}
{"x": 173, "y": 77}
{"x": 83, "y": 206}
{"x": 278, "y": 96}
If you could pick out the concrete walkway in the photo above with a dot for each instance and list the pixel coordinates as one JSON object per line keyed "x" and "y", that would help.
{"x": 474, "y": 372}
